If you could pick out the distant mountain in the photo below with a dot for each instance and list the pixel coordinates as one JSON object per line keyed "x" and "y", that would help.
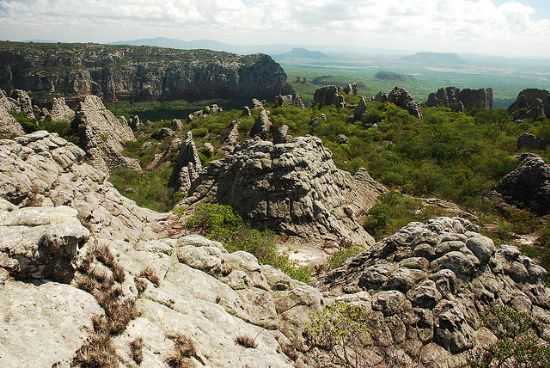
{"x": 434, "y": 58}
{"x": 179, "y": 44}
{"x": 301, "y": 53}
{"x": 391, "y": 76}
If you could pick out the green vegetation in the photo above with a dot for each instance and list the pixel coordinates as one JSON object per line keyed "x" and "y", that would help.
{"x": 517, "y": 346}
{"x": 341, "y": 256}
{"x": 222, "y": 223}
{"x": 63, "y": 128}
{"x": 158, "y": 110}
{"x": 339, "y": 331}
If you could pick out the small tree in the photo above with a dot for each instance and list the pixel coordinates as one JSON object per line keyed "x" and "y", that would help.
{"x": 340, "y": 332}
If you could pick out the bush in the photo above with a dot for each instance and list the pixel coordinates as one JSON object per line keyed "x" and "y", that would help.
{"x": 340, "y": 332}
{"x": 518, "y": 345}
{"x": 339, "y": 258}
{"x": 222, "y": 223}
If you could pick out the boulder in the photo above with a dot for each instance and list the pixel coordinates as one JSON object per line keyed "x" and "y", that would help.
{"x": 528, "y": 185}
{"x": 293, "y": 188}
{"x": 328, "y": 96}
{"x": 103, "y": 135}
{"x": 280, "y": 135}
{"x": 9, "y": 127}
{"x": 162, "y": 133}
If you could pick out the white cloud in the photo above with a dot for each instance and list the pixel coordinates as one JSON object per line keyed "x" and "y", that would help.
{"x": 450, "y": 25}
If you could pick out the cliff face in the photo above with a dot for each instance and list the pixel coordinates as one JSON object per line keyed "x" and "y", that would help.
{"x": 115, "y": 72}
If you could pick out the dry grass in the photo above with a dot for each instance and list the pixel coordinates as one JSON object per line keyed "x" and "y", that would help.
{"x": 150, "y": 275}
{"x": 184, "y": 350}
{"x": 136, "y": 350}
{"x": 97, "y": 351}
{"x": 141, "y": 285}
{"x": 289, "y": 351}
{"x": 246, "y": 341}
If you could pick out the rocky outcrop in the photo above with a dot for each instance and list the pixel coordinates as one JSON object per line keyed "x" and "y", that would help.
{"x": 462, "y": 100}
{"x": 427, "y": 287}
{"x": 9, "y": 127}
{"x": 528, "y": 185}
{"x": 23, "y": 102}
{"x": 402, "y": 98}
{"x": 293, "y": 188}
{"x": 187, "y": 167}
{"x": 360, "y": 110}
{"x": 205, "y": 112}
{"x": 59, "y": 111}
{"x": 262, "y": 126}
{"x": 328, "y": 96}
{"x": 293, "y": 100}
{"x": 192, "y": 287}
{"x": 230, "y": 136}
{"x": 531, "y": 104}
{"x": 115, "y": 72}
{"x": 102, "y": 135}
{"x": 531, "y": 141}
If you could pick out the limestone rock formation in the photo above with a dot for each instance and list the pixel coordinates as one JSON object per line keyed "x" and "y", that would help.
{"x": 205, "y": 112}
{"x": 402, "y": 98}
{"x": 24, "y": 102}
{"x": 293, "y": 100}
{"x": 230, "y": 136}
{"x": 462, "y": 100}
{"x": 9, "y": 127}
{"x": 192, "y": 286}
{"x": 531, "y": 104}
{"x": 115, "y": 72}
{"x": 103, "y": 135}
{"x": 280, "y": 135}
{"x": 528, "y": 185}
{"x": 262, "y": 126}
{"x": 360, "y": 110}
{"x": 188, "y": 166}
{"x": 293, "y": 188}
{"x": 328, "y": 96}
{"x": 427, "y": 286}
{"x": 59, "y": 110}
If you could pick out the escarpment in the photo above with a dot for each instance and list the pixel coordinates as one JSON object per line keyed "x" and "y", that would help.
{"x": 114, "y": 73}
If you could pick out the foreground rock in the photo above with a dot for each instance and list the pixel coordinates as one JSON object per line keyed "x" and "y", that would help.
{"x": 402, "y": 98}
{"x": 103, "y": 135}
{"x": 293, "y": 188}
{"x": 193, "y": 286}
{"x": 531, "y": 104}
{"x": 427, "y": 286}
{"x": 528, "y": 185}
{"x": 116, "y": 72}
{"x": 462, "y": 100}
{"x": 9, "y": 127}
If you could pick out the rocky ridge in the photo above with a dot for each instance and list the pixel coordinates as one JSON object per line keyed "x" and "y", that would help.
{"x": 531, "y": 104}
{"x": 293, "y": 188}
{"x": 116, "y": 72}
{"x": 68, "y": 228}
{"x": 462, "y": 100}
{"x": 400, "y": 97}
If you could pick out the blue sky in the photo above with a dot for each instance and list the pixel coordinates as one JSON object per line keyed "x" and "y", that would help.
{"x": 495, "y": 27}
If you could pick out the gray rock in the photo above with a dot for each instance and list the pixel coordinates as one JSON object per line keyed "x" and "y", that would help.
{"x": 59, "y": 111}
{"x": 262, "y": 126}
{"x": 230, "y": 136}
{"x": 462, "y": 100}
{"x": 530, "y": 141}
{"x": 403, "y": 99}
{"x": 162, "y": 133}
{"x": 188, "y": 166}
{"x": 9, "y": 127}
{"x": 280, "y": 135}
{"x": 177, "y": 124}
{"x": 342, "y": 139}
{"x": 328, "y": 96}
{"x": 531, "y": 104}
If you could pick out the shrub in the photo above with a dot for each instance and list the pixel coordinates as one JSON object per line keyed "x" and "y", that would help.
{"x": 184, "y": 350}
{"x": 98, "y": 350}
{"x": 246, "y": 341}
{"x": 150, "y": 275}
{"x": 222, "y": 223}
{"x": 340, "y": 332}
{"x": 136, "y": 350}
{"x": 518, "y": 346}
{"x": 339, "y": 258}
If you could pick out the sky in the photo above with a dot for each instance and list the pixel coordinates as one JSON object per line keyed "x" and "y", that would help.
{"x": 493, "y": 27}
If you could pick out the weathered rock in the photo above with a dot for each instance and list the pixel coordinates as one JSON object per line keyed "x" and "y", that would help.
{"x": 162, "y": 133}
{"x": 246, "y": 111}
{"x": 462, "y": 100}
{"x": 528, "y": 185}
{"x": 114, "y": 72}
{"x": 135, "y": 123}
{"x": 293, "y": 188}
{"x": 342, "y": 139}
{"x": 177, "y": 124}
{"x": 360, "y": 110}
{"x": 23, "y": 102}
{"x": 188, "y": 166}
{"x": 230, "y": 137}
{"x": 293, "y": 100}
{"x": 59, "y": 111}
{"x": 262, "y": 126}
{"x": 438, "y": 305}
{"x": 328, "y": 96}
{"x": 403, "y": 99}
{"x": 530, "y": 141}
{"x": 531, "y": 104}
{"x": 280, "y": 135}
{"x": 9, "y": 127}
{"x": 103, "y": 135}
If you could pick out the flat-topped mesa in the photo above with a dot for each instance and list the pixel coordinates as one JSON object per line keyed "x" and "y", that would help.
{"x": 188, "y": 166}
{"x": 120, "y": 72}
{"x": 531, "y": 104}
{"x": 528, "y": 185}
{"x": 427, "y": 288}
{"x": 462, "y": 100}
{"x": 293, "y": 188}
{"x": 102, "y": 135}
{"x": 403, "y": 99}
